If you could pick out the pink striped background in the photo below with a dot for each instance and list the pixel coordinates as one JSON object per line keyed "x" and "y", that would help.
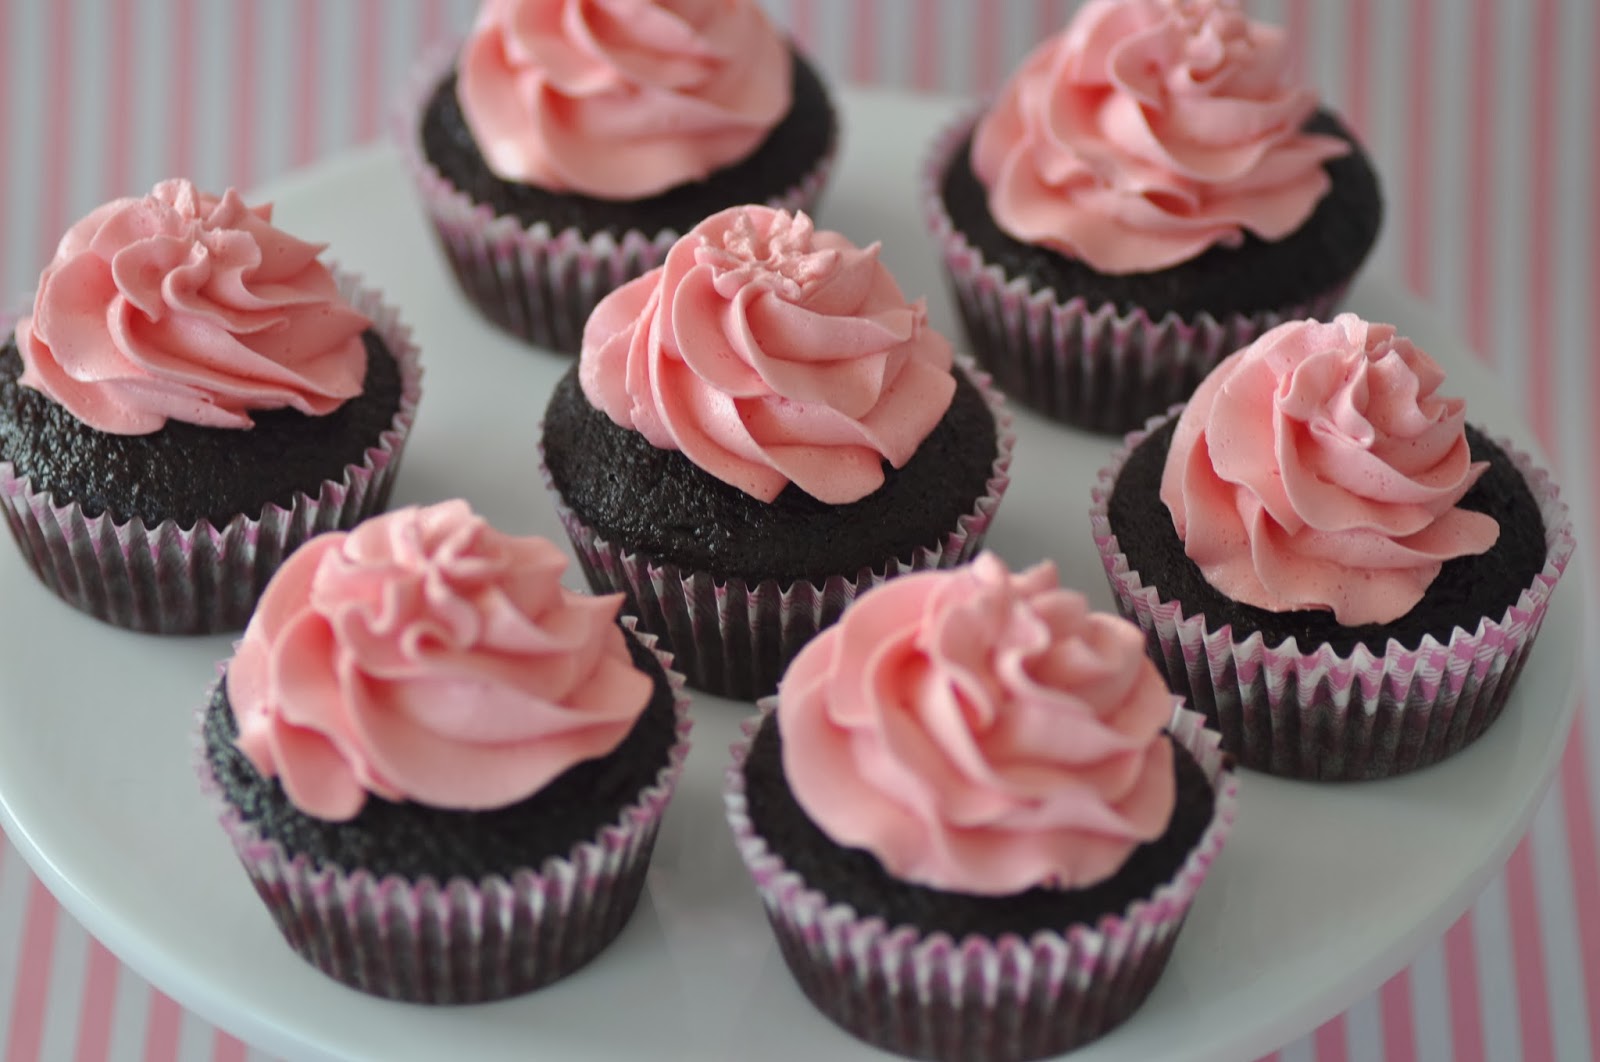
{"x": 1481, "y": 114}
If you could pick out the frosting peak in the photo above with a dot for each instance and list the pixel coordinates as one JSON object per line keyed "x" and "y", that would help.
{"x": 1149, "y": 131}
{"x": 426, "y": 656}
{"x": 621, "y": 99}
{"x": 192, "y": 307}
{"x": 783, "y": 258}
{"x": 770, "y": 353}
{"x": 1320, "y": 468}
{"x": 980, "y": 732}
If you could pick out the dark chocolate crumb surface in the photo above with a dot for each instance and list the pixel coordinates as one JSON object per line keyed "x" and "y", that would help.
{"x": 1256, "y": 276}
{"x": 855, "y": 877}
{"x": 415, "y": 841}
{"x": 186, "y": 472}
{"x": 794, "y": 147}
{"x": 660, "y": 503}
{"x": 1467, "y": 589}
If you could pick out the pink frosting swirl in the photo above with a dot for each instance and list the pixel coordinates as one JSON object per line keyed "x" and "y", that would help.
{"x": 1319, "y": 468}
{"x": 771, "y": 353}
{"x": 1150, "y": 130}
{"x": 426, "y": 656}
{"x": 621, "y": 99}
{"x": 189, "y": 307}
{"x": 980, "y": 732}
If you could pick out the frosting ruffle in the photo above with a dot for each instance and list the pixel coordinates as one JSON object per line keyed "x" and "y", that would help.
{"x": 426, "y": 656}
{"x": 770, "y": 353}
{"x": 1320, "y": 468}
{"x": 980, "y": 732}
{"x": 1149, "y": 131}
{"x": 191, "y": 307}
{"x": 621, "y": 99}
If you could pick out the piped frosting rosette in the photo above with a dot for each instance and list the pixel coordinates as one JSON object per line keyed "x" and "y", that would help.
{"x": 597, "y": 98}
{"x": 1320, "y": 469}
{"x": 427, "y": 659}
{"x": 982, "y": 734}
{"x": 1143, "y": 134}
{"x": 186, "y": 306}
{"x": 770, "y": 354}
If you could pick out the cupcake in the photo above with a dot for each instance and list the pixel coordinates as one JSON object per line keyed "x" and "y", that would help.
{"x": 442, "y": 771}
{"x": 1149, "y": 193}
{"x": 759, "y": 430}
{"x": 192, "y": 395}
{"x": 565, "y": 146}
{"x": 976, "y": 816}
{"x": 1326, "y": 559}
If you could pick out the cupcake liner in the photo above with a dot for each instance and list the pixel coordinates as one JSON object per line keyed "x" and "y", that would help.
{"x": 1321, "y": 716}
{"x": 927, "y": 995}
{"x": 734, "y": 638}
{"x": 202, "y": 580}
{"x": 460, "y": 941}
{"x": 1084, "y": 365}
{"x": 537, "y": 284}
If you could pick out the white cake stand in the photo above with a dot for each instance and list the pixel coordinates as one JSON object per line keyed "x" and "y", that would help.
{"x": 1323, "y": 892}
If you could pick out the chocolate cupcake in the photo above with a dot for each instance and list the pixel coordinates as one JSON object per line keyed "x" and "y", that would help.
{"x": 759, "y": 430}
{"x": 1326, "y": 560}
{"x": 1149, "y": 193}
{"x": 972, "y": 837}
{"x": 193, "y": 395}
{"x": 558, "y": 160}
{"x": 443, "y": 772}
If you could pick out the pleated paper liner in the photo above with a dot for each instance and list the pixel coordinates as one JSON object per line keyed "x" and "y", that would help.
{"x": 461, "y": 941}
{"x": 1310, "y": 713}
{"x": 204, "y": 579}
{"x": 1087, "y": 366}
{"x": 927, "y": 995}
{"x": 537, "y": 284}
{"x": 733, "y": 638}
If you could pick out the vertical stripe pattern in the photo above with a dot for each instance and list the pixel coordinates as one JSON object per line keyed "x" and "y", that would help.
{"x": 98, "y": 1005}
{"x": 1481, "y": 115}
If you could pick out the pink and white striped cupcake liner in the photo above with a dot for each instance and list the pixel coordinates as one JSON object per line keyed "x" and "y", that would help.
{"x": 1084, "y": 365}
{"x": 927, "y": 995}
{"x": 733, "y": 638}
{"x": 205, "y": 579}
{"x": 535, "y": 283}
{"x": 1311, "y": 713}
{"x": 461, "y": 941}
